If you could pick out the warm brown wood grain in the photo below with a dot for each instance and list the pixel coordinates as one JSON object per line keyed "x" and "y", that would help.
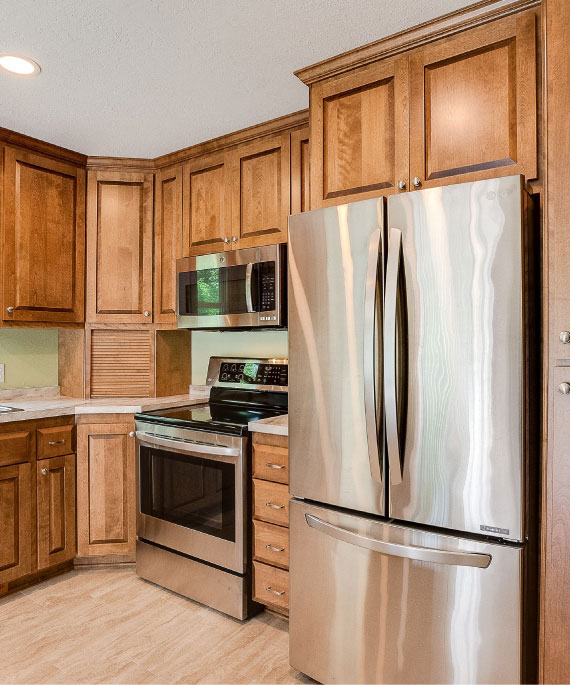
{"x": 359, "y": 134}
{"x": 43, "y": 239}
{"x": 119, "y": 247}
{"x": 473, "y": 104}
{"x": 15, "y": 521}
{"x": 55, "y": 441}
{"x": 207, "y": 205}
{"x": 277, "y": 457}
{"x": 167, "y": 241}
{"x": 264, "y": 493}
{"x": 55, "y": 510}
{"x": 300, "y": 171}
{"x": 16, "y": 446}
{"x": 71, "y": 362}
{"x": 260, "y": 187}
{"x": 105, "y": 489}
{"x": 42, "y": 147}
{"x": 271, "y": 544}
{"x": 173, "y": 362}
{"x": 277, "y": 579}
{"x": 120, "y": 362}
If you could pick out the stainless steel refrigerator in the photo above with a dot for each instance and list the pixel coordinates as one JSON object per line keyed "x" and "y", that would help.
{"x": 412, "y": 435}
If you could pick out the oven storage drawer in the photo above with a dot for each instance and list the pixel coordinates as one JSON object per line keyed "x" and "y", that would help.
{"x": 271, "y": 544}
{"x": 271, "y": 502}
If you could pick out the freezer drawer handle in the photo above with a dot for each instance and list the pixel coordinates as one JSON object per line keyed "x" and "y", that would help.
{"x": 370, "y": 320}
{"x": 436, "y": 556}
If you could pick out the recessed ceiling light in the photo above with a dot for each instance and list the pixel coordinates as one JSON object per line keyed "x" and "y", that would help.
{"x": 23, "y": 66}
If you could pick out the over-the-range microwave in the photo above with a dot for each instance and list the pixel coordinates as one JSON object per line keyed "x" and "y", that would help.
{"x": 234, "y": 289}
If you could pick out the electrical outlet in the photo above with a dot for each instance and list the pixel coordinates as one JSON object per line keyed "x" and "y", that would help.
{"x": 1, "y": 373}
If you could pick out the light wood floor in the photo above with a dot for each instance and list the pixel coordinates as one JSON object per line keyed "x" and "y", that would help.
{"x": 108, "y": 625}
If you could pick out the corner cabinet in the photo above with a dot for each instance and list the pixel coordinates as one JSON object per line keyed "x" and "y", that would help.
{"x": 43, "y": 239}
{"x": 119, "y": 247}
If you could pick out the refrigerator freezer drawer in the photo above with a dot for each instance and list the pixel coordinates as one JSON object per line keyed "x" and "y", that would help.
{"x": 373, "y": 602}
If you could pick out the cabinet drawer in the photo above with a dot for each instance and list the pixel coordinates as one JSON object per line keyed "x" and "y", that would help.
{"x": 271, "y": 502}
{"x": 271, "y": 543}
{"x": 271, "y": 586}
{"x": 16, "y": 447}
{"x": 54, "y": 442}
{"x": 271, "y": 463}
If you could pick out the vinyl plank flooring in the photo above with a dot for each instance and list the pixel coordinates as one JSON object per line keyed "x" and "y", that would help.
{"x": 106, "y": 625}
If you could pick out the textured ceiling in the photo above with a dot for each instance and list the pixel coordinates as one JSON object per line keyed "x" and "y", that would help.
{"x": 140, "y": 78}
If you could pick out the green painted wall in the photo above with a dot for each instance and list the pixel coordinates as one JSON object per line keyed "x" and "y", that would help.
{"x": 29, "y": 356}
{"x": 206, "y": 344}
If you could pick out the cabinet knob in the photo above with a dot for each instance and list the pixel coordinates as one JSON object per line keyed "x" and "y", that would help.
{"x": 10, "y": 309}
{"x": 565, "y": 337}
{"x": 132, "y": 434}
{"x": 564, "y": 388}
{"x": 44, "y": 472}
{"x": 147, "y": 313}
{"x": 417, "y": 181}
{"x": 402, "y": 185}
{"x": 234, "y": 239}
{"x": 226, "y": 240}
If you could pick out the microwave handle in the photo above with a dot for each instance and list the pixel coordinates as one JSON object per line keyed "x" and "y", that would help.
{"x": 248, "y": 298}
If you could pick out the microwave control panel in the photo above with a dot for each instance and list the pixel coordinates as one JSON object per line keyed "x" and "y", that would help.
{"x": 253, "y": 373}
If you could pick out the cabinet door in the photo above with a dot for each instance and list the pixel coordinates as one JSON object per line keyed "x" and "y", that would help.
{"x": 119, "y": 247}
{"x": 300, "y": 171}
{"x": 359, "y": 134}
{"x": 15, "y": 522}
{"x": 167, "y": 241}
{"x": 56, "y": 510}
{"x": 473, "y": 104}
{"x": 44, "y": 239}
{"x": 207, "y": 205}
{"x": 261, "y": 183}
{"x": 105, "y": 489}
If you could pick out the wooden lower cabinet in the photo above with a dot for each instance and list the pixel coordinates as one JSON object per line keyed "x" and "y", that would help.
{"x": 271, "y": 587}
{"x": 106, "y": 488}
{"x": 55, "y": 510}
{"x": 16, "y": 510}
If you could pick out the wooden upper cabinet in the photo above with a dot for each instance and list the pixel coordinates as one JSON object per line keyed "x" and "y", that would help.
{"x": 167, "y": 241}
{"x": 119, "y": 247}
{"x": 260, "y": 187}
{"x": 44, "y": 239}
{"x": 473, "y": 104}
{"x": 55, "y": 510}
{"x": 15, "y": 521}
{"x": 300, "y": 171}
{"x": 359, "y": 133}
{"x": 206, "y": 205}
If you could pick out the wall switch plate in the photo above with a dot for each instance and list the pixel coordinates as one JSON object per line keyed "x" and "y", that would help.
{"x": 1, "y": 373}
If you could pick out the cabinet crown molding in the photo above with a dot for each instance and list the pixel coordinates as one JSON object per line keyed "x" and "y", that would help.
{"x": 447, "y": 25}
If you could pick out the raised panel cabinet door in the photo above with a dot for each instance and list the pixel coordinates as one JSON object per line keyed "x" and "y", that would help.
{"x": 15, "y": 522}
{"x": 300, "y": 171}
{"x": 473, "y": 104}
{"x": 44, "y": 239}
{"x": 119, "y": 247}
{"x": 55, "y": 510}
{"x": 207, "y": 205}
{"x": 359, "y": 134}
{"x": 106, "y": 503}
{"x": 167, "y": 241}
{"x": 261, "y": 191}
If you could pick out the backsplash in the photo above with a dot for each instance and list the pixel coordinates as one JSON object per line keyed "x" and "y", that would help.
{"x": 29, "y": 356}
{"x": 206, "y": 344}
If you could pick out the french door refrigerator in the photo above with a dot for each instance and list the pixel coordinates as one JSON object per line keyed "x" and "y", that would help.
{"x": 412, "y": 437}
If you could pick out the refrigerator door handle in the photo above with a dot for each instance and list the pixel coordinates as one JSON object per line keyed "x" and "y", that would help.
{"x": 390, "y": 374}
{"x": 393, "y": 549}
{"x": 370, "y": 302}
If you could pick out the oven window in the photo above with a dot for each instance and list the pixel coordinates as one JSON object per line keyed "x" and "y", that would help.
{"x": 216, "y": 292}
{"x": 191, "y": 491}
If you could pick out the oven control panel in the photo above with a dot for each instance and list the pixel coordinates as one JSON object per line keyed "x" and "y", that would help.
{"x": 253, "y": 373}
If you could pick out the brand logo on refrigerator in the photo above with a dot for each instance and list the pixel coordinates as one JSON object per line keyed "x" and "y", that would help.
{"x": 492, "y": 529}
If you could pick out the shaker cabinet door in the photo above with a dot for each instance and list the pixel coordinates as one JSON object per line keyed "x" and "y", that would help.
{"x": 473, "y": 104}
{"x": 43, "y": 239}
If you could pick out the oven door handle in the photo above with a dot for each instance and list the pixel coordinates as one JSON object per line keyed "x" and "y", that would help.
{"x": 187, "y": 445}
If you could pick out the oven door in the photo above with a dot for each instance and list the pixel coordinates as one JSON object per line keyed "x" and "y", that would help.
{"x": 191, "y": 493}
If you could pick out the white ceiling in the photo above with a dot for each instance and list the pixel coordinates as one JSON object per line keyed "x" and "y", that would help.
{"x": 140, "y": 78}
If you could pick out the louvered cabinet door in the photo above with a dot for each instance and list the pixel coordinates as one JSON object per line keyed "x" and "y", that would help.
{"x": 120, "y": 363}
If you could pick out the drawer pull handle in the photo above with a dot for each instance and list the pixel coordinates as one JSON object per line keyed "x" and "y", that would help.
{"x": 275, "y": 506}
{"x": 275, "y": 549}
{"x": 56, "y": 442}
{"x": 275, "y": 466}
{"x": 275, "y": 592}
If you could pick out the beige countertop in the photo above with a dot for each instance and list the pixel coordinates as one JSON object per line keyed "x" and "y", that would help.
{"x": 276, "y": 425}
{"x": 40, "y": 405}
